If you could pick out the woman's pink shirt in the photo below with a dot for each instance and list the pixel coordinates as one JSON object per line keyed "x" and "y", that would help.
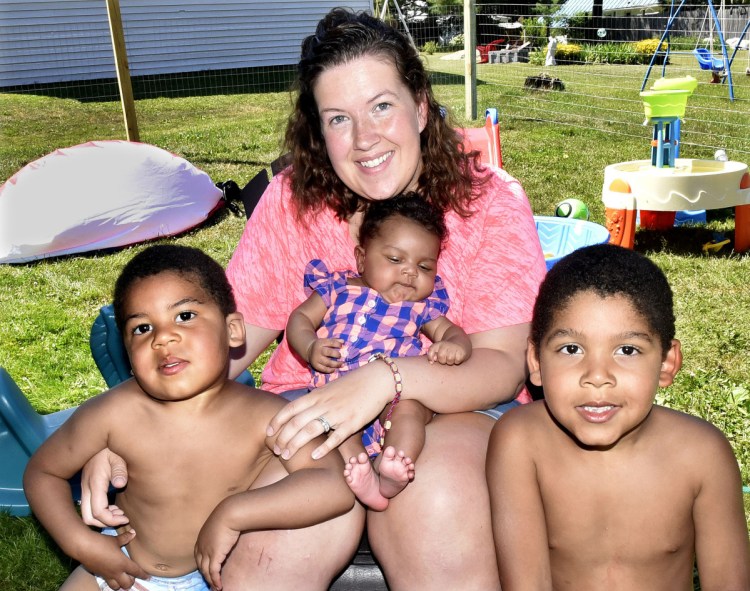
{"x": 492, "y": 265}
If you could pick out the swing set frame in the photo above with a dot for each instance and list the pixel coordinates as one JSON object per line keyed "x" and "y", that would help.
{"x": 716, "y": 26}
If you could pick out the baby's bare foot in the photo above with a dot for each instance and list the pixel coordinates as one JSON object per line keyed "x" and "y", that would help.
{"x": 396, "y": 471}
{"x": 363, "y": 480}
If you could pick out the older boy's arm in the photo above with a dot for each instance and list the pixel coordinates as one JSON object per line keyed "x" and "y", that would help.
{"x": 314, "y": 491}
{"x": 518, "y": 523}
{"x": 721, "y": 538}
{"x": 48, "y": 492}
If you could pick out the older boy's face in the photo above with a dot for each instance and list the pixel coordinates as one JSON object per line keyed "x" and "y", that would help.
{"x": 176, "y": 336}
{"x": 600, "y": 365}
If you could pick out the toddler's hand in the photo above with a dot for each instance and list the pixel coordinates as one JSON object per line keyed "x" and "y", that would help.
{"x": 325, "y": 354}
{"x": 104, "y": 557}
{"x": 447, "y": 353}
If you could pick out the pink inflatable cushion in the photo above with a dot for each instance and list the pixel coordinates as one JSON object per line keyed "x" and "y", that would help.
{"x": 101, "y": 194}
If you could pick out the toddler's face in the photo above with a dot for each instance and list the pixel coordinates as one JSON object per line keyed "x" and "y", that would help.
{"x": 400, "y": 262}
{"x": 600, "y": 365}
{"x": 176, "y": 336}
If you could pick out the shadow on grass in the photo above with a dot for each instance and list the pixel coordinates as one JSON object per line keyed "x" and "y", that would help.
{"x": 689, "y": 240}
{"x": 186, "y": 84}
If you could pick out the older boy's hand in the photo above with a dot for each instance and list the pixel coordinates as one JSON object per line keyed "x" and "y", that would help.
{"x": 104, "y": 557}
{"x": 215, "y": 542}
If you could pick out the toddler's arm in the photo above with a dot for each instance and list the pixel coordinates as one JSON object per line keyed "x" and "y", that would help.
{"x": 48, "y": 492}
{"x": 450, "y": 344}
{"x": 721, "y": 539}
{"x": 314, "y": 491}
{"x": 321, "y": 354}
{"x": 518, "y": 523}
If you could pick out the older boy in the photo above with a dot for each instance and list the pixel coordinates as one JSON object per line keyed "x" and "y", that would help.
{"x": 596, "y": 487}
{"x": 178, "y": 318}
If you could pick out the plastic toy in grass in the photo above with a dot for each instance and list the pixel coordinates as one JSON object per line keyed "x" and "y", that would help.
{"x": 572, "y": 208}
{"x": 666, "y": 183}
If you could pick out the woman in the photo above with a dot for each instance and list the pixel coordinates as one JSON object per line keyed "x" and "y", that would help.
{"x": 367, "y": 127}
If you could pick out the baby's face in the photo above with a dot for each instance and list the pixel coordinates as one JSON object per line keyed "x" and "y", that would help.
{"x": 176, "y": 336}
{"x": 400, "y": 262}
{"x": 600, "y": 364}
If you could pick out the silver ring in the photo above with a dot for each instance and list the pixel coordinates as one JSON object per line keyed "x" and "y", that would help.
{"x": 326, "y": 424}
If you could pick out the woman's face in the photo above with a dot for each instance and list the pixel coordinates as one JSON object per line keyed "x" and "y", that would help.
{"x": 371, "y": 125}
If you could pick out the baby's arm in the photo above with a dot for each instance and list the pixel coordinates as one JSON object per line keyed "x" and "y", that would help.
{"x": 322, "y": 354}
{"x": 48, "y": 492}
{"x": 518, "y": 523}
{"x": 314, "y": 491}
{"x": 721, "y": 539}
{"x": 450, "y": 344}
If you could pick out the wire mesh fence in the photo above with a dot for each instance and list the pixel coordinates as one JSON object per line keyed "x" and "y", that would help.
{"x": 591, "y": 80}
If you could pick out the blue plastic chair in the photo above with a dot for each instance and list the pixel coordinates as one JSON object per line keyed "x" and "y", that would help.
{"x": 22, "y": 431}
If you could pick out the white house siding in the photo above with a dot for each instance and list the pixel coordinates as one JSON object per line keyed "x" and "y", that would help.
{"x": 43, "y": 41}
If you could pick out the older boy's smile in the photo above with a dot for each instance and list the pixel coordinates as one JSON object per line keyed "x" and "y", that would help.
{"x": 597, "y": 412}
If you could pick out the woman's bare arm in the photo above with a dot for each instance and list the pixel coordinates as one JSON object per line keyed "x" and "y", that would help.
{"x": 496, "y": 372}
{"x": 257, "y": 340}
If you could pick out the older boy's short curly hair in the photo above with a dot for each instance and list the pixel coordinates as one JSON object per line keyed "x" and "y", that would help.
{"x": 606, "y": 270}
{"x": 191, "y": 263}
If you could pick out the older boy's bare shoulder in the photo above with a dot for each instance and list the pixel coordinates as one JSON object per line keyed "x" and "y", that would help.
{"x": 523, "y": 424}
{"x": 685, "y": 434}
{"x": 250, "y": 404}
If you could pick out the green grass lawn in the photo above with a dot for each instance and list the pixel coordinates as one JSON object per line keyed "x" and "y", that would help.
{"x": 46, "y": 308}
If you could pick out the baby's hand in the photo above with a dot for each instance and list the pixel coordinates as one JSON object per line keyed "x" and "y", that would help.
{"x": 325, "y": 354}
{"x": 447, "y": 353}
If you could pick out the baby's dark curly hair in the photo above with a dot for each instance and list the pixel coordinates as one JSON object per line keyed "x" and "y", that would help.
{"x": 191, "y": 263}
{"x": 607, "y": 270}
{"x": 410, "y": 206}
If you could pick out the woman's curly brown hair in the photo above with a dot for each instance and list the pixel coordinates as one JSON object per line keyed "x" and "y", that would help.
{"x": 448, "y": 179}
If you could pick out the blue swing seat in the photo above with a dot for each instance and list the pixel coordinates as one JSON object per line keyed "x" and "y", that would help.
{"x": 707, "y": 62}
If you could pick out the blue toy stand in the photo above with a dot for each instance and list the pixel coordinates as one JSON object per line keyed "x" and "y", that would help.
{"x": 22, "y": 431}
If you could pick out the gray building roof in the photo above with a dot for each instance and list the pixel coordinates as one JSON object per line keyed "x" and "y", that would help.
{"x": 573, "y": 7}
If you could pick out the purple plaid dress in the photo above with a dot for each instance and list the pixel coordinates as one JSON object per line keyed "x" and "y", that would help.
{"x": 367, "y": 323}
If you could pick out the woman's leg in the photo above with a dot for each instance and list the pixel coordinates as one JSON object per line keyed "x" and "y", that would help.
{"x": 295, "y": 559}
{"x": 437, "y": 534}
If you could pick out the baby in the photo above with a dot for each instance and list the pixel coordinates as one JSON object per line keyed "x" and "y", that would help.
{"x": 378, "y": 313}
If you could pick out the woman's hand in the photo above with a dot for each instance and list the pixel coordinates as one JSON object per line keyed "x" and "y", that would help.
{"x": 347, "y": 405}
{"x": 99, "y": 471}
{"x": 494, "y": 373}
